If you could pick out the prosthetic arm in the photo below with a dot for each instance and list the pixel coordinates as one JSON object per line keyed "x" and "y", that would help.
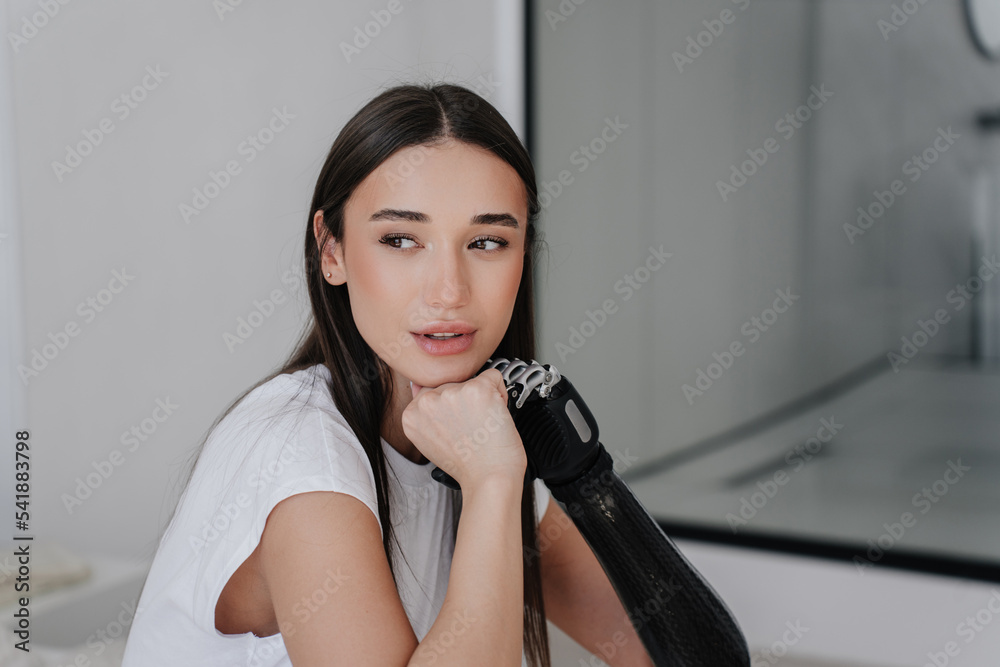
{"x": 692, "y": 627}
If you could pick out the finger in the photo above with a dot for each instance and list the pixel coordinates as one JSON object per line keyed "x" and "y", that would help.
{"x": 498, "y": 382}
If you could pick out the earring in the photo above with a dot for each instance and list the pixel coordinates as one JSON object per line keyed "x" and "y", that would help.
{"x": 328, "y": 275}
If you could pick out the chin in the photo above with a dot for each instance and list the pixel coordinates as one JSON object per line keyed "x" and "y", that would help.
{"x": 430, "y": 378}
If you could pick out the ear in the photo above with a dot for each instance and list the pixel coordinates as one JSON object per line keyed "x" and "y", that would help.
{"x": 332, "y": 256}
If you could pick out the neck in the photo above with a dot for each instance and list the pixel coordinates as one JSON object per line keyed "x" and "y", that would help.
{"x": 392, "y": 426}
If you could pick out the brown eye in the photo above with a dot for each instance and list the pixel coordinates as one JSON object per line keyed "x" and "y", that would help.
{"x": 389, "y": 239}
{"x": 492, "y": 239}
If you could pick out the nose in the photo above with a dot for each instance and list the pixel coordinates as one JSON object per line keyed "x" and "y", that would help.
{"x": 447, "y": 287}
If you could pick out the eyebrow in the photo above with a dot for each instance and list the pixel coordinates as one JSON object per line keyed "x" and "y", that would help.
{"x": 503, "y": 219}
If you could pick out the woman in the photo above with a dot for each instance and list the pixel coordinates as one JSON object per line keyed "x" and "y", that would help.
{"x": 282, "y": 550}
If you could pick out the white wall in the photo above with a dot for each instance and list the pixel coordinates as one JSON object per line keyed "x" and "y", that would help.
{"x": 160, "y": 338}
{"x": 12, "y": 407}
{"x": 656, "y": 184}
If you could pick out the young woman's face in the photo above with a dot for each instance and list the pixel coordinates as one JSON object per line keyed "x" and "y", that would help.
{"x": 436, "y": 234}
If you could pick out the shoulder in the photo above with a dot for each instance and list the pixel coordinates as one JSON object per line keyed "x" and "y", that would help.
{"x": 283, "y": 401}
{"x": 306, "y": 442}
{"x": 293, "y": 412}
{"x": 287, "y": 437}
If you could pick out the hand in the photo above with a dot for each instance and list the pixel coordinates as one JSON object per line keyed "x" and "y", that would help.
{"x": 465, "y": 428}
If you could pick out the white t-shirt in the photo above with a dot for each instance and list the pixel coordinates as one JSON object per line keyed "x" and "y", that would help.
{"x": 244, "y": 470}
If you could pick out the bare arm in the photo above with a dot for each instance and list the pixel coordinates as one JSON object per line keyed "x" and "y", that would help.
{"x": 324, "y": 567}
{"x": 482, "y": 618}
{"x": 325, "y": 570}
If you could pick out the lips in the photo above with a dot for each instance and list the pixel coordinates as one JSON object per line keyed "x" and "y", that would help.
{"x": 438, "y": 347}
{"x": 452, "y": 326}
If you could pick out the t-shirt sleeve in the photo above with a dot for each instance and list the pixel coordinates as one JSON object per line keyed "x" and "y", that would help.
{"x": 296, "y": 453}
{"x": 542, "y": 496}
{"x": 318, "y": 454}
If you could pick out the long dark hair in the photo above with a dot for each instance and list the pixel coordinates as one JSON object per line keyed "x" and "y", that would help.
{"x": 361, "y": 383}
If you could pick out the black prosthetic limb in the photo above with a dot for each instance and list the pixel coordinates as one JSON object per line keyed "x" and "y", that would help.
{"x": 680, "y": 619}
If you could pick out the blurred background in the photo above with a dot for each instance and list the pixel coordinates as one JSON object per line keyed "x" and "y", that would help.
{"x": 772, "y": 228}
